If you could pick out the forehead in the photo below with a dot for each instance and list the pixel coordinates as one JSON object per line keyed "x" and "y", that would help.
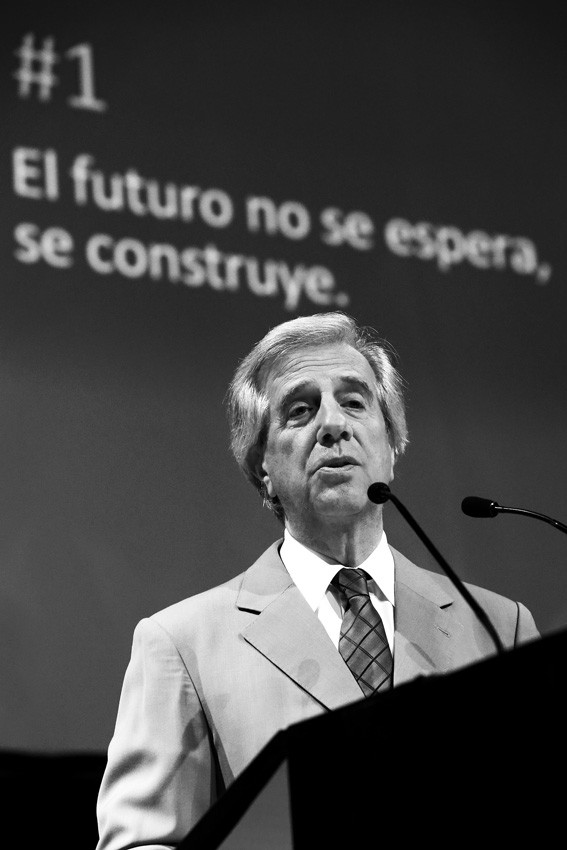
{"x": 330, "y": 365}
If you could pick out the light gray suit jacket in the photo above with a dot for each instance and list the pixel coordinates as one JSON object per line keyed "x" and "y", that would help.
{"x": 213, "y": 678}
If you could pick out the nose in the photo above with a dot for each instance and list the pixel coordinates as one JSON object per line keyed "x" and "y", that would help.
{"x": 333, "y": 424}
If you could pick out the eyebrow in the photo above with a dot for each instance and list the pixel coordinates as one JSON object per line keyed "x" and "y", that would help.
{"x": 351, "y": 381}
{"x": 293, "y": 391}
{"x": 359, "y": 384}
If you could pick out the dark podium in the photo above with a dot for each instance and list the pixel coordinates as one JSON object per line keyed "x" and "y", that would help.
{"x": 476, "y": 756}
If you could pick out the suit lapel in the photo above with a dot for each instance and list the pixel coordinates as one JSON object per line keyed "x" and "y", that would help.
{"x": 288, "y": 633}
{"x": 426, "y": 632}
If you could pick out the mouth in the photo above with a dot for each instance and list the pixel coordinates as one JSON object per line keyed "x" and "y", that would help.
{"x": 337, "y": 463}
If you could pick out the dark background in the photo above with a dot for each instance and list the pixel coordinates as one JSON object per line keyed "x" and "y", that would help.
{"x": 119, "y": 495}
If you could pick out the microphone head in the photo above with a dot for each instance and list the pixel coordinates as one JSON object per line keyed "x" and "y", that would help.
{"x": 378, "y": 493}
{"x": 477, "y": 507}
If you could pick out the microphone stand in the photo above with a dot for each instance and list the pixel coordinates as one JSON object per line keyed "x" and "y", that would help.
{"x": 534, "y": 514}
{"x": 491, "y": 508}
{"x": 379, "y": 493}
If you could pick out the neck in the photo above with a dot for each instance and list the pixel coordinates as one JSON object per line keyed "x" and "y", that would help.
{"x": 339, "y": 542}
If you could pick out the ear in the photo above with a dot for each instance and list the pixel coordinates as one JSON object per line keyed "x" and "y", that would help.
{"x": 392, "y": 462}
{"x": 265, "y": 476}
{"x": 260, "y": 466}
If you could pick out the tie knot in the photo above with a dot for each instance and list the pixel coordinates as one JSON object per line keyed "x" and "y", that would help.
{"x": 352, "y": 583}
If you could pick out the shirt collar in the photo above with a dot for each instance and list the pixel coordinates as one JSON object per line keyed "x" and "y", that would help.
{"x": 313, "y": 575}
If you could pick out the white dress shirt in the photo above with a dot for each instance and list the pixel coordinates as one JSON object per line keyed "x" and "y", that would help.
{"x": 313, "y": 576}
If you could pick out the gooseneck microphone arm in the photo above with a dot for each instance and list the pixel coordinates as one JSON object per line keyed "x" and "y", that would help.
{"x": 477, "y": 507}
{"x": 380, "y": 493}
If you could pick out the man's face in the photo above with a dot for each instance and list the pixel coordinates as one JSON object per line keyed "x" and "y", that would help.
{"x": 327, "y": 439}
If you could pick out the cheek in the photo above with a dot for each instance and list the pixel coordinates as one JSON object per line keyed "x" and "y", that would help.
{"x": 276, "y": 457}
{"x": 281, "y": 448}
{"x": 383, "y": 453}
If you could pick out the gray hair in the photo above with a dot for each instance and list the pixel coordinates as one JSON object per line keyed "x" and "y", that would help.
{"x": 248, "y": 404}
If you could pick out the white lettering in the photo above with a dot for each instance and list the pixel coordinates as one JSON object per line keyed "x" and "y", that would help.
{"x": 320, "y": 285}
{"x": 54, "y": 246}
{"x": 450, "y": 246}
{"x": 35, "y": 173}
{"x": 356, "y": 228}
{"x": 130, "y": 258}
{"x": 194, "y": 267}
{"x": 398, "y": 234}
{"x": 216, "y": 208}
{"x": 292, "y": 219}
{"x": 260, "y": 210}
{"x": 93, "y": 248}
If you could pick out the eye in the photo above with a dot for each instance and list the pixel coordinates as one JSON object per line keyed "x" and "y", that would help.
{"x": 298, "y": 410}
{"x": 355, "y": 403}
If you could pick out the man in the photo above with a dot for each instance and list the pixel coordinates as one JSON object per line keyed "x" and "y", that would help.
{"x": 327, "y": 616}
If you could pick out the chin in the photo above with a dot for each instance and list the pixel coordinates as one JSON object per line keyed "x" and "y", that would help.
{"x": 336, "y": 505}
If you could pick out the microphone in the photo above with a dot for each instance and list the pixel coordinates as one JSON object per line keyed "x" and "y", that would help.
{"x": 477, "y": 507}
{"x": 380, "y": 493}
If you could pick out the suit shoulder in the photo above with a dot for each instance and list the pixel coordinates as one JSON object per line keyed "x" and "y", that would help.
{"x": 200, "y": 605}
{"x": 214, "y": 602}
{"x": 424, "y": 580}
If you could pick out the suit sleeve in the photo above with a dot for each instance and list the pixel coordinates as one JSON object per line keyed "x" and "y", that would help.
{"x": 159, "y": 778}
